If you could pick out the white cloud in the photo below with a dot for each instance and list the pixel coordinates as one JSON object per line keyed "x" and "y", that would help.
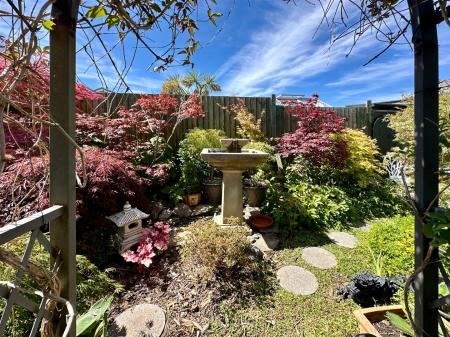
{"x": 284, "y": 53}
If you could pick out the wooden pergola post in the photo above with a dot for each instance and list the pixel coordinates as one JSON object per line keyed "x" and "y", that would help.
{"x": 62, "y": 151}
{"x": 426, "y": 111}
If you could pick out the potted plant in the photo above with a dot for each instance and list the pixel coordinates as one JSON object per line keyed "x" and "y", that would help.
{"x": 213, "y": 190}
{"x": 194, "y": 170}
{"x": 368, "y": 317}
{"x": 255, "y": 189}
{"x": 256, "y": 181}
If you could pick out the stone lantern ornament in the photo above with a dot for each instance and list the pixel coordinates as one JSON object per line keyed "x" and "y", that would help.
{"x": 129, "y": 221}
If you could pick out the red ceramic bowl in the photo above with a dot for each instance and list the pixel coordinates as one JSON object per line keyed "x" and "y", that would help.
{"x": 260, "y": 221}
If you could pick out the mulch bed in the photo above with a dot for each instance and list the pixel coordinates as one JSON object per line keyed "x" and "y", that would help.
{"x": 190, "y": 305}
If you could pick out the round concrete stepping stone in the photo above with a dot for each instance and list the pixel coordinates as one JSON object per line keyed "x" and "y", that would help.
{"x": 343, "y": 239}
{"x": 319, "y": 257}
{"x": 297, "y": 280}
{"x": 140, "y": 320}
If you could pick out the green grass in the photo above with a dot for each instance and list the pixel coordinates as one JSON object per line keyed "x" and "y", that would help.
{"x": 283, "y": 314}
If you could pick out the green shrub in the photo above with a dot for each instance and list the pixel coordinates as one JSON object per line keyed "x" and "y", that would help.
{"x": 194, "y": 170}
{"x": 393, "y": 239}
{"x": 325, "y": 198}
{"x": 92, "y": 284}
{"x": 262, "y": 173}
{"x": 362, "y": 163}
{"x": 210, "y": 249}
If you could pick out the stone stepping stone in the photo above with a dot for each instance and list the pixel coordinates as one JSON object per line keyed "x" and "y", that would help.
{"x": 319, "y": 257}
{"x": 140, "y": 320}
{"x": 343, "y": 239}
{"x": 297, "y": 280}
{"x": 267, "y": 242}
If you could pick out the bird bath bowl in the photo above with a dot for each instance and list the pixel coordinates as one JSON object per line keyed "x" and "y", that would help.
{"x": 232, "y": 161}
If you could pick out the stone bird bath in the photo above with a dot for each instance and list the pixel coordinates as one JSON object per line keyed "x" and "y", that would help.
{"x": 232, "y": 161}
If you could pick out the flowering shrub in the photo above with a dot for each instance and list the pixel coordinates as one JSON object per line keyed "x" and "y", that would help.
{"x": 154, "y": 240}
{"x": 312, "y": 138}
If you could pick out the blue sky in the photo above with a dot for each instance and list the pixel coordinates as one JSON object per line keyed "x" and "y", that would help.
{"x": 267, "y": 47}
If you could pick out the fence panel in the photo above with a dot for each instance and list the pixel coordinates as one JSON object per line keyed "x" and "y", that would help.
{"x": 274, "y": 120}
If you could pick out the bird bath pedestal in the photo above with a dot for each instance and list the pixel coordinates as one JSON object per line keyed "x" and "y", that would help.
{"x": 232, "y": 161}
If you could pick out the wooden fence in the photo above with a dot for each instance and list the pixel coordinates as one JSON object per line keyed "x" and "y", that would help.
{"x": 274, "y": 120}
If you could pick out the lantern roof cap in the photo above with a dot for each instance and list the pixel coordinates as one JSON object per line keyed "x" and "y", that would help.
{"x": 127, "y": 216}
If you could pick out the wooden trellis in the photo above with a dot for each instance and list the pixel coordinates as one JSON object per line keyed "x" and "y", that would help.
{"x": 13, "y": 291}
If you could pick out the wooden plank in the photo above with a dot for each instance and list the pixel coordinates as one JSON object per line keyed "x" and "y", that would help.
{"x": 222, "y": 113}
{"x": 233, "y": 100}
{"x": 62, "y": 151}
{"x": 15, "y": 229}
{"x": 273, "y": 128}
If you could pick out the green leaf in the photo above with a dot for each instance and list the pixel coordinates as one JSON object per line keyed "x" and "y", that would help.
{"x": 96, "y": 12}
{"x": 112, "y": 20}
{"x": 213, "y": 21}
{"x": 48, "y": 24}
{"x": 155, "y": 7}
{"x": 400, "y": 323}
{"x": 443, "y": 290}
{"x": 93, "y": 316}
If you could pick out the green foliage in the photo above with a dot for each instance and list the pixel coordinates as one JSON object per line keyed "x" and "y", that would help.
{"x": 248, "y": 126}
{"x": 325, "y": 197}
{"x": 194, "y": 170}
{"x": 362, "y": 163}
{"x": 92, "y": 284}
{"x": 264, "y": 171}
{"x": 94, "y": 322}
{"x": 402, "y": 123}
{"x": 210, "y": 249}
{"x": 400, "y": 323}
{"x": 392, "y": 238}
{"x": 194, "y": 82}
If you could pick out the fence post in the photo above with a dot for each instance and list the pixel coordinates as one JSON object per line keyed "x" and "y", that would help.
{"x": 62, "y": 150}
{"x": 369, "y": 118}
{"x": 273, "y": 116}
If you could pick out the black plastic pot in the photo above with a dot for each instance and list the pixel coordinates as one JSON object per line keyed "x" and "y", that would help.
{"x": 213, "y": 190}
{"x": 255, "y": 195}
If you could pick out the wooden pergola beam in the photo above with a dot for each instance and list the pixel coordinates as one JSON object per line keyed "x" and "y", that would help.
{"x": 62, "y": 150}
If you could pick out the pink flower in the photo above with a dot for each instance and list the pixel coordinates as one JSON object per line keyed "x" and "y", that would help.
{"x": 154, "y": 239}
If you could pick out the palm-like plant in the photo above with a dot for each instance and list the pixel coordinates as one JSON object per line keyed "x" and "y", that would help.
{"x": 194, "y": 82}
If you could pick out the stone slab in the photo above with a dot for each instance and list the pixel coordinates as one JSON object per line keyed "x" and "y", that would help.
{"x": 319, "y": 257}
{"x": 343, "y": 239}
{"x": 141, "y": 320}
{"x": 297, "y": 280}
{"x": 203, "y": 210}
{"x": 267, "y": 242}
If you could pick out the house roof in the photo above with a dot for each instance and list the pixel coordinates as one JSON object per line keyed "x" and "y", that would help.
{"x": 280, "y": 99}
{"x": 127, "y": 215}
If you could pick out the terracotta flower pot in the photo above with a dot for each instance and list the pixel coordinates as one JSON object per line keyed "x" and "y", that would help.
{"x": 260, "y": 221}
{"x": 368, "y": 316}
{"x": 192, "y": 199}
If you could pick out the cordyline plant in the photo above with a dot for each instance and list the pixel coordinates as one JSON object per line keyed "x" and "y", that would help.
{"x": 154, "y": 241}
{"x": 313, "y": 137}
